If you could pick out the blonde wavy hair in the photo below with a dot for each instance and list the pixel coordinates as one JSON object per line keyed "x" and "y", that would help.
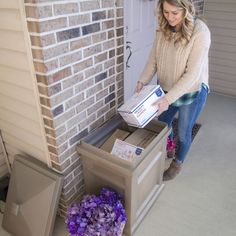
{"x": 187, "y": 26}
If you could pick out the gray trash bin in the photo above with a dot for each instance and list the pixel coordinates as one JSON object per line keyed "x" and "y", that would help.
{"x": 140, "y": 180}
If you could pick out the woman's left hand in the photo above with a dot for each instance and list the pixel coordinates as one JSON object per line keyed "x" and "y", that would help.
{"x": 162, "y": 105}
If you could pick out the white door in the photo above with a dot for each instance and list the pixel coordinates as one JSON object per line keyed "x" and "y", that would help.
{"x": 140, "y": 26}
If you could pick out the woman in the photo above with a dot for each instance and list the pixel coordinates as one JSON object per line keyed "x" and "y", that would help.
{"x": 180, "y": 58}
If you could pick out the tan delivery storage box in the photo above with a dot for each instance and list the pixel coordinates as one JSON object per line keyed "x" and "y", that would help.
{"x": 140, "y": 180}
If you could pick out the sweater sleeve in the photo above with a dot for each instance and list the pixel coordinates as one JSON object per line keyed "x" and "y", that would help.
{"x": 150, "y": 68}
{"x": 197, "y": 58}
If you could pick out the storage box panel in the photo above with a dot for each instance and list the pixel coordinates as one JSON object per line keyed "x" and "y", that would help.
{"x": 148, "y": 179}
{"x": 96, "y": 182}
{"x": 98, "y": 172}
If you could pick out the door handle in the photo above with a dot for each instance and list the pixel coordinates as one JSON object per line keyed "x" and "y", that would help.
{"x": 128, "y": 47}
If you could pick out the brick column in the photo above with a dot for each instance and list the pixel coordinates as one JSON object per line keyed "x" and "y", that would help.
{"x": 77, "y": 49}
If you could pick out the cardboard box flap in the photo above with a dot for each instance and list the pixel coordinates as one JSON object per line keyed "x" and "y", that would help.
{"x": 118, "y": 134}
{"x": 141, "y": 138}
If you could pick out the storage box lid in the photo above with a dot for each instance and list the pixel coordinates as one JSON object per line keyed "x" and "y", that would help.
{"x": 32, "y": 198}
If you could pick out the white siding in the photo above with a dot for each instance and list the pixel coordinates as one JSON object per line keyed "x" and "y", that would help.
{"x": 221, "y": 19}
{"x": 3, "y": 165}
{"x": 20, "y": 118}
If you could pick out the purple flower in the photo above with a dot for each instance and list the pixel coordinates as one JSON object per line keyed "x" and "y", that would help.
{"x": 170, "y": 145}
{"x": 102, "y": 215}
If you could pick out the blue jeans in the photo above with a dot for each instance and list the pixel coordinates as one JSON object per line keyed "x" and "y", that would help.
{"x": 187, "y": 116}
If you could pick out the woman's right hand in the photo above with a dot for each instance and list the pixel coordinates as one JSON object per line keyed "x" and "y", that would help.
{"x": 139, "y": 87}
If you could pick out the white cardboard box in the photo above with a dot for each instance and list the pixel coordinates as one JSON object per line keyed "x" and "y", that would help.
{"x": 138, "y": 110}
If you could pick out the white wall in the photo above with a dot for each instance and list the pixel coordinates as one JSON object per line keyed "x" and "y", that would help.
{"x": 221, "y": 18}
{"x": 20, "y": 118}
{"x": 3, "y": 164}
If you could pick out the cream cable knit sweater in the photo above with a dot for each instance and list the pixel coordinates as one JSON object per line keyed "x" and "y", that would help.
{"x": 180, "y": 69}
